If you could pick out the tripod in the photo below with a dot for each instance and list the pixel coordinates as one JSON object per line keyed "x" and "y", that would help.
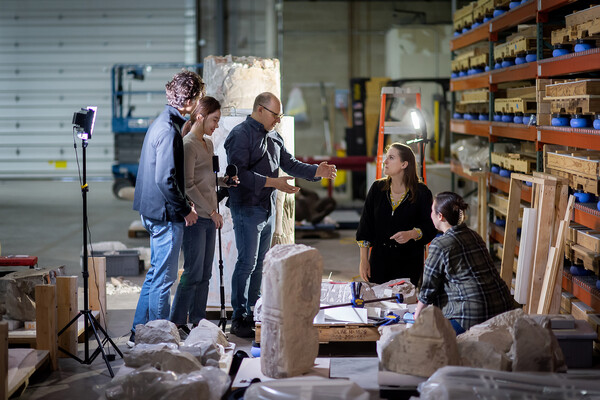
{"x": 88, "y": 318}
{"x": 223, "y": 318}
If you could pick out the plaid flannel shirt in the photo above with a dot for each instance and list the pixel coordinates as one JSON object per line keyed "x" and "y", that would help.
{"x": 461, "y": 279}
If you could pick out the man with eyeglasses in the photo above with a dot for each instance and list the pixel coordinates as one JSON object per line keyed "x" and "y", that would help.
{"x": 258, "y": 152}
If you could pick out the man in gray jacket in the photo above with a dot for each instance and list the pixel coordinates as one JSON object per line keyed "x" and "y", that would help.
{"x": 160, "y": 196}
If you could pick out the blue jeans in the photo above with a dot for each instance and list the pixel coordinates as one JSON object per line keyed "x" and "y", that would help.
{"x": 165, "y": 244}
{"x": 253, "y": 228}
{"x": 192, "y": 291}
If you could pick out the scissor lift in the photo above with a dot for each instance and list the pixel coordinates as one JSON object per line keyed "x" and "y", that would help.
{"x": 138, "y": 95}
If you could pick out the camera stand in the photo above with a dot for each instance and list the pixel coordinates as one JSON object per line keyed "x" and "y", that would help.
{"x": 223, "y": 317}
{"x": 88, "y": 318}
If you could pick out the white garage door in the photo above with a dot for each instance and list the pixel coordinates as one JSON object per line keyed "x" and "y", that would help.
{"x": 56, "y": 57}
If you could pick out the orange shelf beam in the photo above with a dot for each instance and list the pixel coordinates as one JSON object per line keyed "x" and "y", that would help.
{"x": 573, "y": 63}
{"x": 514, "y": 17}
{"x": 476, "y": 81}
{"x": 513, "y": 131}
{"x": 457, "y": 168}
{"x": 581, "y": 289}
{"x": 475, "y": 128}
{"x": 587, "y": 216}
{"x": 503, "y": 184}
{"x": 582, "y": 138}
{"x": 497, "y": 233}
{"x": 473, "y": 36}
{"x": 514, "y": 73}
{"x": 549, "y": 5}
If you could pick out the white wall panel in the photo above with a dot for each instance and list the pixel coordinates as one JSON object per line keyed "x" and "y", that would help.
{"x": 56, "y": 57}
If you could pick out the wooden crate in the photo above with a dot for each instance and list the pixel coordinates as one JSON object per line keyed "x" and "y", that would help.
{"x": 515, "y": 105}
{"x": 514, "y": 162}
{"x": 562, "y": 36}
{"x": 479, "y": 60}
{"x": 520, "y": 46}
{"x": 565, "y": 301}
{"x": 574, "y": 88}
{"x": 581, "y": 104}
{"x": 483, "y": 8}
{"x": 577, "y": 182}
{"x": 582, "y": 163}
{"x": 589, "y": 259}
{"x": 543, "y": 119}
{"x": 579, "y": 17}
{"x": 463, "y": 15}
{"x": 573, "y": 229}
{"x": 500, "y": 51}
{"x": 525, "y": 92}
{"x": 340, "y": 333}
{"x": 588, "y": 30}
{"x": 589, "y": 239}
{"x": 475, "y": 96}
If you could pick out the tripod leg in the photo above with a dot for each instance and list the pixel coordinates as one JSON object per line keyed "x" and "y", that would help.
{"x": 107, "y": 337}
{"x": 93, "y": 323}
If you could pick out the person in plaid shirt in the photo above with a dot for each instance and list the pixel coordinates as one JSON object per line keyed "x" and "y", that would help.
{"x": 460, "y": 277}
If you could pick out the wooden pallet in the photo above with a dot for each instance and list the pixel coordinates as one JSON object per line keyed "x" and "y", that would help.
{"x": 573, "y": 88}
{"x": 514, "y": 162}
{"x": 475, "y": 96}
{"x": 483, "y": 8}
{"x": 514, "y": 48}
{"x": 581, "y": 104}
{"x": 463, "y": 15}
{"x": 329, "y": 333}
{"x": 479, "y": 60}
{"x": 582, "y": 16}
{"x": 515, "y": 105}
{"x": 589, "y": 259}
{"x": 590, "y": 240}
{"x": 582, "y": 163}
{"x": 577, "y": 182}
{"x": 562, "y": 36}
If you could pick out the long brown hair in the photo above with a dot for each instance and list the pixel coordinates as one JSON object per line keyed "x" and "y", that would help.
{"x": 411, "y": 179}
{"x": 206, "y": 106}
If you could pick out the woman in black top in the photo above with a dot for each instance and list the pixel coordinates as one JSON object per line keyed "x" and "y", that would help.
{"x": 395, "y": 223}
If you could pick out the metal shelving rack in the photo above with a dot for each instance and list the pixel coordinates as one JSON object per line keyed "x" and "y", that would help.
{"x": 574, "y": 63}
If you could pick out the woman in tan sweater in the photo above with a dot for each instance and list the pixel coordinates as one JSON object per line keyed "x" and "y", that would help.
{"x": 198, "y": 245}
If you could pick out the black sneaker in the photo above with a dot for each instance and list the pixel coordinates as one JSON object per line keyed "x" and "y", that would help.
{"x": 239, "y": 328}
{"x": 249, "y": 321}
{"x": 131, "y": 341}
{"x": 184, "y": 331}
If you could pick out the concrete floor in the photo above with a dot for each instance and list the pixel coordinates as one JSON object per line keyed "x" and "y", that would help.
{"x": 44, "y": 218}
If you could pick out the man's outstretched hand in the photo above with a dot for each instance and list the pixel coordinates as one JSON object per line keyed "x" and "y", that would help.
{"x": 325, "y": 170}
{"x": 280, "y": 183}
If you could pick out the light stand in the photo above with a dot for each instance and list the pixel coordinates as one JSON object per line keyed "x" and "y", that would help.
{"x": 421, "y": 128}
{"x": 223, "y": 319}
{"x": 84, "y": 124}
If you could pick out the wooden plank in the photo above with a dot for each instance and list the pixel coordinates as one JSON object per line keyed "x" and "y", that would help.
{"x": 580, "y": 310}
{"x": 3, "y": 360}
{"x": 45, "y": 322}
{"x": 565, "y": 301}
{"x": 555, "y": 261}
{"x": 510, "y": 231}
{"x": 66, "y": 288}
{"x": 525, "y": 260}
{"x": 545, "y": 220}
{"x": 340, "y": 333}
{"x": 562, "y": 210}
{"x": 482, "y": 204}
{"x": 97, "y": 285}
